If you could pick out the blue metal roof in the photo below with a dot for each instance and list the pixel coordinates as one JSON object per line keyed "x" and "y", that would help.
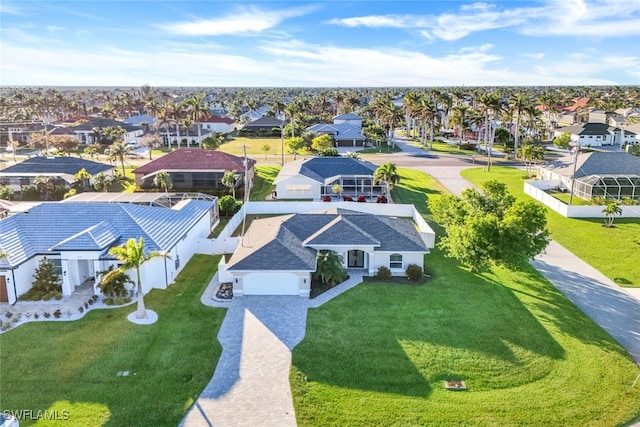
{"x": 53, "y": 227}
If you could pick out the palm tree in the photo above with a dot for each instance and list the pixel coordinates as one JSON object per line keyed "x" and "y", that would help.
{"x": 197, "y": 110}
{"x": 229, "y": 179}
{"x": 388, "y": 174}
{"x": 611, "y": 210}
{"x": 518, "y": 103}
{"x": 118, "y": 151}
{"x": 491, "y": 106}
{"x": 132, "y": 256}
{"x": 162, "y": 180}
{"x": 329, "y": 267}
{"x": 83, "y": 176}
{"x": 460, "y": 118}
{"x": 165, "y": 120}
{"x": 44, "y": 184}
{"x": 101, "y": 182}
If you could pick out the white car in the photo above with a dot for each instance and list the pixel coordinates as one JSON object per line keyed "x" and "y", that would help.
{"x": 133, "y": 144}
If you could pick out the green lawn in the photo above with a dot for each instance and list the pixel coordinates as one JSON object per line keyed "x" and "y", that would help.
{"x": 74, "y": 365}
{"x": 378, "y": 354}
{"x": 254, "y": 148}
{"x": 263, "y": 182}
{"x": 586, "y": 238}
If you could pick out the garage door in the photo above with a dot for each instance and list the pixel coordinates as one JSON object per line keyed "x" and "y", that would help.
{"x": 270, "y": 284}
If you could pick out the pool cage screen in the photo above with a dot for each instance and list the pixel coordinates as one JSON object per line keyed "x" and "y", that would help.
{"x": 609, "y": 186}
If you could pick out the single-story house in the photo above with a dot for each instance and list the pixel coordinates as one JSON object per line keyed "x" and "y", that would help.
{"x": 346, "y": 130}
{"x": 597, "y": 174}
{"x": 76, "y": 238}
{"x": 195, "y": 169}
{"x": 596, "y": 134}
{"x": 265, "y": 123}
{"x": 61, "y": 169}
{"x": 315, "y": 177}
{"x": 278, "y": 254}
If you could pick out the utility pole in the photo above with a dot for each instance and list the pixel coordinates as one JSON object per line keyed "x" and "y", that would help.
{"x": 575, "y": 167}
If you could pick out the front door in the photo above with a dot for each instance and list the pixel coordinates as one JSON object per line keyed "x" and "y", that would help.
{"x": 4, "y": 295}
{"x": 355, "y": 259}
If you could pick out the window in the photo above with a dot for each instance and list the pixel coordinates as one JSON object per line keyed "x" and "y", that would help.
{"x": 395, "y": 261}
{"x": 298, "y": 189}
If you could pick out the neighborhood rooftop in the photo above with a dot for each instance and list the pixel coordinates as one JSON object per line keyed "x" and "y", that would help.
{"x": 94, "y": 226}
{"x": 58, "y": 165}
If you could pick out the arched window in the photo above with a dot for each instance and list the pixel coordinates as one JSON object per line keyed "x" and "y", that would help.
{"x": 395, "y": 261}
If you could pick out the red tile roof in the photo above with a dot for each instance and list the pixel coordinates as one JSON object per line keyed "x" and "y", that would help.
{"x": 196, "y": 159}
{"x": 578, "y": 103}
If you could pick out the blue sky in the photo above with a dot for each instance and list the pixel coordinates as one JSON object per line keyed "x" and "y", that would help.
{"x": 325, "y": 43}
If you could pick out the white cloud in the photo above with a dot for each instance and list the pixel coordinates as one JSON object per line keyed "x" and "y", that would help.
{"x": 242, "y": 21}
{"x": 295, "y": 63}
{"x": 378, "y": 21}
{"x": 604, "y": 18}
{"x": 9, "y": 9}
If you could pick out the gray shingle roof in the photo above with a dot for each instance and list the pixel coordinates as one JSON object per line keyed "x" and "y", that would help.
{"x": 598, "y": 163}
{"x": 56, "y": 165}
{"x": 51, "y": 227}
{"x": 321, "y": 168}
{"x": 285, "y": 242}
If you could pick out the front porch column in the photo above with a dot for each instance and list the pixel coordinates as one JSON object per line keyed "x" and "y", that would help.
{"x": 67, "y": 286}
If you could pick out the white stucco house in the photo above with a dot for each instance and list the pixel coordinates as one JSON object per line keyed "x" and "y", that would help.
{"x": 315, "y": 177}
{"x": 346, "y": 130}
{"x": 597, "y": 134}
{"x": 76, "y": 238}
{"x": 217, "y": 124}
{"x": 277, "y": 255}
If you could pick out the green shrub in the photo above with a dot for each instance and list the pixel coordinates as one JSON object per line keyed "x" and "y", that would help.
{"x": 414, "y": 272}
{"x": 383, "y": 273}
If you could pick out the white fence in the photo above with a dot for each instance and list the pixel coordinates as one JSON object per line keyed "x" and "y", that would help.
{"x": 385, "y": 209}
{"x": 536, "y": 189}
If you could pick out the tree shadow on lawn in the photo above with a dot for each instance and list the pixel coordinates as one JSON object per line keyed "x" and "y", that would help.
{"x": 400, "y": 339}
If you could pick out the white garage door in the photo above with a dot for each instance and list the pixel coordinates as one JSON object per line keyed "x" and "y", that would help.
{"x": 270, "y": 284}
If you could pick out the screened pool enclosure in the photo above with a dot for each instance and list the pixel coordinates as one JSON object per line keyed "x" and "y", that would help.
{"x": 608, "y": 186}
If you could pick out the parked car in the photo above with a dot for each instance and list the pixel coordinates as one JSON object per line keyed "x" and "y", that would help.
{"x": 133, "y": 144}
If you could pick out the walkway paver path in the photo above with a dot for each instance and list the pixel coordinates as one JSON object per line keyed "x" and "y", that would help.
{"x": 250, "y": 385}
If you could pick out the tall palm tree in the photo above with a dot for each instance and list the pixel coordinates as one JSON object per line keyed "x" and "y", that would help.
{"x": 388, "y": 174}
{"x": 132, "y": 256}
{"x": 427, "y": 112}
{"x": 491, "y": 105}
{"x": 459, "y": 118}
{"x": 197, "y": 110}
{"x": 517, "y": 104}
{"x": 118, "y": 151}
{"x": 411, "y": 102}
{"x": 165, "y": 120}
